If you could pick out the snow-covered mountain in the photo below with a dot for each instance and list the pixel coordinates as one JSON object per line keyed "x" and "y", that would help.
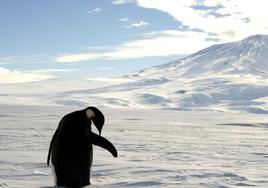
{"x": 230, "y": 77}
{"x": 225, "y": 77}
{"x": 248, "y": 56}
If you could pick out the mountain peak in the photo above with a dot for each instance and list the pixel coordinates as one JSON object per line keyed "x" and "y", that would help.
{"x": 247, "y": 56}
{"x": 255, "y": 41}
{"x": 257, "y": 37}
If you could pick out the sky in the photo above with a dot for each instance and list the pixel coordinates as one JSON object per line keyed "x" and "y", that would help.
{"x": 42, "y": 39}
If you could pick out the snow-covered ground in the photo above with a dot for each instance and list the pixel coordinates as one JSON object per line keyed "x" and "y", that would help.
{"x": 156, "y": 148}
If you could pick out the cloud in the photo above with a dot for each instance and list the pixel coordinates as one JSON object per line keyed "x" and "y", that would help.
{"x": 5, "y": 60}
{"x": 207, "y": 11}
{"x": 80, "y": 57}
{"x": 24, "y": 59}
{"x": 121, "y": 2}
{"x": 54, "y": 70}
{"x": 133, "y": 24}
{"x": 163, "y": 43}
{"x": 95, "y": 10}
{"x": 125, "y": 19}
{"x": 138, "y": 24}
{"x": 104, "y": 47}
{"x": 11, "y": 76}
{"x": 202, "y": 23}
{"x": 242, "y": 17}
{"x": 246, "y": 20}
{"x": 105, "y": 68}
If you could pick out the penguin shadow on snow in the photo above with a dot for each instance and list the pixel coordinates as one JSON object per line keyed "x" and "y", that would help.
{"x": 71, "y": 150}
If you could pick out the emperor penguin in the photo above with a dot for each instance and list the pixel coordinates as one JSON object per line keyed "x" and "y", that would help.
{"x": 71, "y": 149}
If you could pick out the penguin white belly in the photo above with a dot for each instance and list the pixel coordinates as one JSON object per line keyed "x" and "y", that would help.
{"x": 53, "y": 173}
{"x": 90, "y": 164}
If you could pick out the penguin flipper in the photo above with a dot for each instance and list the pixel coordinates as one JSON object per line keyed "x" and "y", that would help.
{"x": 51, "y": 145}
{"x": 104, "y": 143}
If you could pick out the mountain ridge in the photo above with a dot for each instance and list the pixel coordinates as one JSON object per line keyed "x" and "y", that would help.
{"x": 227, "y": 57}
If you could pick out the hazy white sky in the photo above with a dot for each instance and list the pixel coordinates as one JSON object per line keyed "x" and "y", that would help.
{"x": 46, "y": 39}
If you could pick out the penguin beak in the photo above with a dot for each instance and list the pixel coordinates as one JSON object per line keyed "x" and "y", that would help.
{"x": 96, "y": 116}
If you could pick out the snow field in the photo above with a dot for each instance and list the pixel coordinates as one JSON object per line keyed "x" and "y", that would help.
{"x": 157, "y": 148}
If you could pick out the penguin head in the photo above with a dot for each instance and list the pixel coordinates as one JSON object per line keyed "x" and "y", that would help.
{"x": 96, "y": 116}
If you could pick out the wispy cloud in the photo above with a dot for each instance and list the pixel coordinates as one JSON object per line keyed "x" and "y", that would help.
{"x": 125, "y": 19}
{"x": 132, "y": 23}
{"x": 13, "y": 76}
{"x": 5, "y": 60}
{"x": 105, "y": 68}
{"x": 95, "y": 10}
{"x": 164, "y": 43}
{"x": 48, "y": 71}
{"x": 209, "y": 10}
{"x": 120, "y": 2}
{"x": 138, "y": 24}
{"x": 96, "y": 48}
{"x": 230, "y": 20}
{"x": 68, "y": 58}
{"x": 24, "y": 59}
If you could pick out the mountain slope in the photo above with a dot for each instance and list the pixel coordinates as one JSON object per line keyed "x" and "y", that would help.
{"x": 228, "y": 77}
{"x": 246, "y": 56}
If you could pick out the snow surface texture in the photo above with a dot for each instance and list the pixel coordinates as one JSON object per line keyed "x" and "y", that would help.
{"x": 156, "y": 148}
{"x": 231, "y": 77}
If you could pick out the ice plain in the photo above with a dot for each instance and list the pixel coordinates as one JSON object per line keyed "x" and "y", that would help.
{"x": 157, "y": 148}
